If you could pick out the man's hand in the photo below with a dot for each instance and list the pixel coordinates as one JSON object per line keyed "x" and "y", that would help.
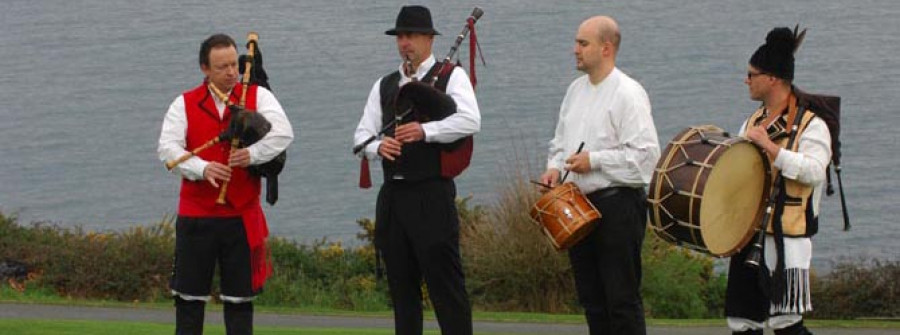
{"x": 550, "y": 178}
{"x": 389, "y": 148}
{"x": 579, "y": 163}
{"x": 409, "y": 132}
{"x": 216, "y": 171}
{"x": 239, "y": 158}
{"x": 760, "y": 137}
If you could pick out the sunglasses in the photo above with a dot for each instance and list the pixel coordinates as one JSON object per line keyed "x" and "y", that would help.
{"x": 750, "y": 75}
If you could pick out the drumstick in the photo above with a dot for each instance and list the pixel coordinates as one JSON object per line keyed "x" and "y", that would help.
{"x": 581, "y": 146}
{"x": 540, "y": 183}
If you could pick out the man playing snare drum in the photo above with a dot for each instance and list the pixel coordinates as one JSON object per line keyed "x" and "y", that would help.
{"x": 610, "y": 113}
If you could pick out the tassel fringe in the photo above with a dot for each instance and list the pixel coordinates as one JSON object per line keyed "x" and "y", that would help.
{"x": 797, "y": 298}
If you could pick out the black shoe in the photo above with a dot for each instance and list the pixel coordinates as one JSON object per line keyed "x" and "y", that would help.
{"x": 794, "y": 329}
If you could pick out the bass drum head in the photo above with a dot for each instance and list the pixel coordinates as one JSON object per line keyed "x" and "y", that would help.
{"x": 734, "y": 199}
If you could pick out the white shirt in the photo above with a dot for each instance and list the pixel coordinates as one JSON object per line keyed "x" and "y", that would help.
{"x": 466, "y": 121}
{"x": 174, "y": 128}
{"x": 613, "y": 120}
{"x": 808, "y": 164}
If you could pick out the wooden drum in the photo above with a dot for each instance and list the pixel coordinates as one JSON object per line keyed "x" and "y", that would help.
{"x": 565, "y": 215}
{"x": 709, "y": 190}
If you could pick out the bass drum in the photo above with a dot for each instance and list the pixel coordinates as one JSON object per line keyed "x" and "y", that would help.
{"x": 709, "y": 191}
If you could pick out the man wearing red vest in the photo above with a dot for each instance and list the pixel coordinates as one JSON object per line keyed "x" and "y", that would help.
{"x": 233, "y": 234}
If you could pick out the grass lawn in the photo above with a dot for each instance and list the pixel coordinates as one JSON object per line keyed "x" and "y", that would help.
{"x": 78, "y": 327}
{"x": 37, "y": 296}
{"x": 58, "y": 327}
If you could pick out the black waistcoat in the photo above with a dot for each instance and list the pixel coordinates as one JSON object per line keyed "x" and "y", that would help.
{"x": 418, "y": 160}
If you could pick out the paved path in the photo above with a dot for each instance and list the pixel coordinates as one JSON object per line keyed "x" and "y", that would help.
{"x": 32, "y": 311}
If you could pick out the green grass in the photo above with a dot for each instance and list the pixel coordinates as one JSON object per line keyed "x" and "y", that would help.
{"x": 39, "y": 297}
{"x": 61, "y": 327}
{"x": 874, "y": 324}
{"x": 73, "y": 327}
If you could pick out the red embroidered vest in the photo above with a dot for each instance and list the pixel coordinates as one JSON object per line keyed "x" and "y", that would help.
{"x": 198, "y": 197}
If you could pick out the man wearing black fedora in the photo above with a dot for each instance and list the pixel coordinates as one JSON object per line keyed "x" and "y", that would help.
{"x": 417, "y": 227}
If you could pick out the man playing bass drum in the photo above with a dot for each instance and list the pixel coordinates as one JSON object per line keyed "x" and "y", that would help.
{"x": 417, "y": 228}
{"x": 789, "y": 130}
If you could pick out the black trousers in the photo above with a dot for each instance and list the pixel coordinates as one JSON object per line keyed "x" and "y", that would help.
{"x": 743, "y": 296}
{"x": 607, "y": 264}
{"x": 201, "y": 244}
{"x": 417, "y": 233}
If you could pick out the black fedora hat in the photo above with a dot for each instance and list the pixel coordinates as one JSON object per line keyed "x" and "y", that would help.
{"x": 413, "y": 19}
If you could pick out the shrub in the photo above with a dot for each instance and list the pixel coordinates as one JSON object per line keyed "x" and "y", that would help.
{"x": 509, "y": 264}
{"x": 128, "y": 265}
{"x": 858, "y": 289}
{"x": 679, "y": 283}
{"x": 509, "y": 267}
{"x": 325, "y": 274}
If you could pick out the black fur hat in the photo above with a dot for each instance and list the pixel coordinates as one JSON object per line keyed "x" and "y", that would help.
{"x": 776, "y": 56}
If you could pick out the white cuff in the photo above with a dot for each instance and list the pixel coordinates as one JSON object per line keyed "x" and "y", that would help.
{"x": 596, "y": 160}
{"x": 204, "y": 298}
{"x": 236, "y": 300}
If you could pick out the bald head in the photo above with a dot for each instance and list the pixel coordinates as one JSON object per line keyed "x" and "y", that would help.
{"x": 607, "y": 29}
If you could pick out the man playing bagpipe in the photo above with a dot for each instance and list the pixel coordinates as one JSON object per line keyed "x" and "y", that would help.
{"x": 417, "y": 227}
{"x": 215, "y": 227}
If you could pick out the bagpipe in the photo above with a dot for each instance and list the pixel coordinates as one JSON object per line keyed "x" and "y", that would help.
{"x": 246, "y": 126}
{"x": 422, "y": 101}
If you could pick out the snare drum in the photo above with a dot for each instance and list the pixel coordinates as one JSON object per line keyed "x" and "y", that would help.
{"x": 565, "y": 215}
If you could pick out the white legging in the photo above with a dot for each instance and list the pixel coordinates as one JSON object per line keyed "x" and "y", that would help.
{"x": 775, "y": 322}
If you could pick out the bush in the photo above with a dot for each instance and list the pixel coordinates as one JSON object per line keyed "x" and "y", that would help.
{"x": 136, "y": 265}
{"x": 679, "y": 283}
{"x": 858, "y": 289}
{"x": 127, "y": 266}
{"x": 510, "y": 266}
{"x": 324, "y": 275}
